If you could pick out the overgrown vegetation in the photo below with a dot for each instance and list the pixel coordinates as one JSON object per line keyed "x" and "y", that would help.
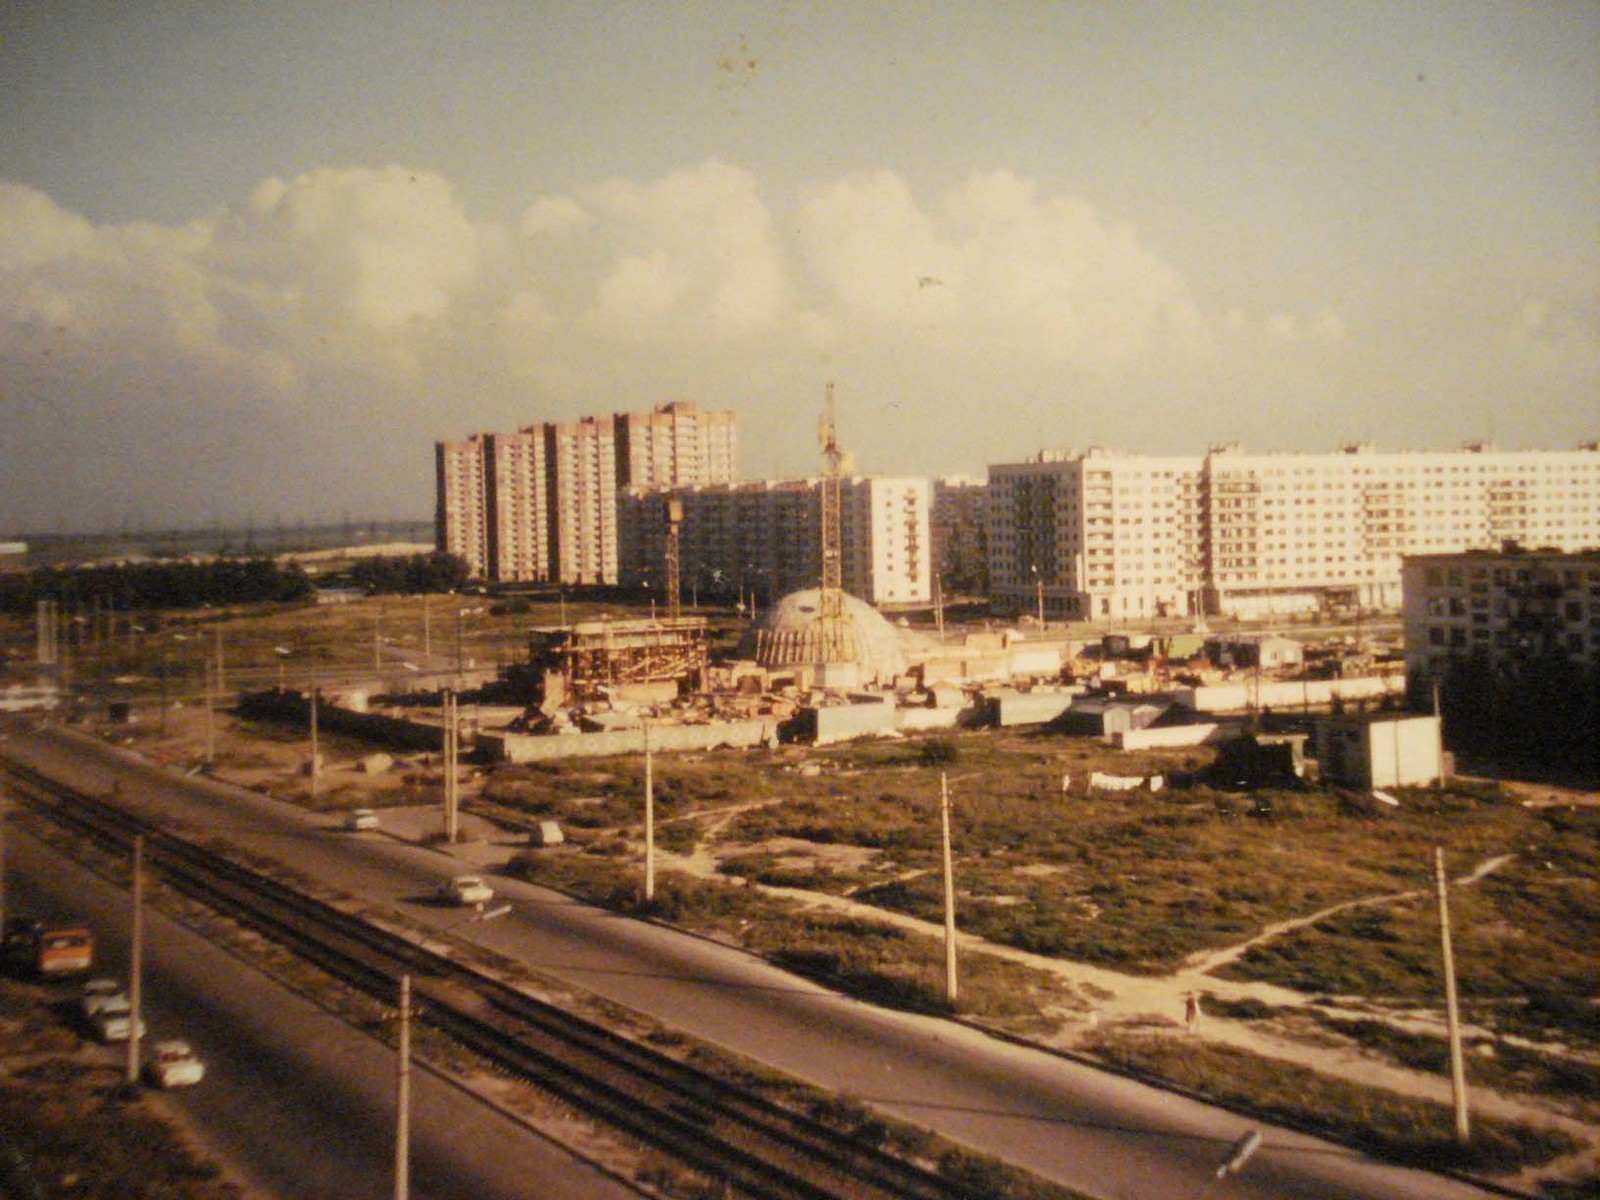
{"x": 1399, "y": 1128}
{"x": 65, "y": 1128}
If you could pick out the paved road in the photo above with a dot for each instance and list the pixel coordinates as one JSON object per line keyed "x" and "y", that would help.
{"x": 1103, "y": 1134}
{"x": 299, "y": 1104}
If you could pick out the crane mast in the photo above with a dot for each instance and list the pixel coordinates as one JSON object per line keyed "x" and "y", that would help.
{"x": 832, "y": 637}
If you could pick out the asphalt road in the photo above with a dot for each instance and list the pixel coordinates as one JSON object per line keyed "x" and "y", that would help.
{"x": 300, "y": 1105}
{"x": 1105, "y": 1135}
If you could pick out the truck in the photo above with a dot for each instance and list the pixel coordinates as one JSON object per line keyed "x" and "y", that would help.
{"x": 48, "y": 950}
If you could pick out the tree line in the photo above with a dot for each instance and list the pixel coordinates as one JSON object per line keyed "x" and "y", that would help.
{"x": 184, "y": 583}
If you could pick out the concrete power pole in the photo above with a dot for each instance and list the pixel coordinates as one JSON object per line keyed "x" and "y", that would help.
{"x": 452, "y": 814}
{"x": 950, "y": 987}
{"x": 136, "y": 961}
{"x": 1458, "y": 1073}
{"x": 402, "y": 1093}
{"x": 649, "y": 821}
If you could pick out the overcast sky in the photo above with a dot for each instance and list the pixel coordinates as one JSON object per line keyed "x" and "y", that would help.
{"x": 256, "y": 258}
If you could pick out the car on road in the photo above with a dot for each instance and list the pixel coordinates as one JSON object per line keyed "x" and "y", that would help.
{"x": 465, "y": 889}
{"x": 359, "y": 819}
{"x": 173, "y": 1064}
{"x": 98, "y": 993}
{"x": 114, "y": 1021}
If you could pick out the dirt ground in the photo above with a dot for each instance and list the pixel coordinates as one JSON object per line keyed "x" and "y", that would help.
{"x": 407, "y": 791}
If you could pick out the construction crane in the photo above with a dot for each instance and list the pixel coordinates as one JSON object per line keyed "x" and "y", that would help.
{"x": 832, "y": 638}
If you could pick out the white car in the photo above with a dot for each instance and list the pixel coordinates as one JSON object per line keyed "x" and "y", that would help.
{"x": 358, "y": 819}
{"x": 466, "y": 889}
{"x": 114, "y": 1021}
{"x": 97, "y": 993}
{"x": 172, "y": 1064}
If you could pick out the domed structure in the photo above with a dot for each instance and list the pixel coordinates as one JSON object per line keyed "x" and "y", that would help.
{"x": 789, "y": 634}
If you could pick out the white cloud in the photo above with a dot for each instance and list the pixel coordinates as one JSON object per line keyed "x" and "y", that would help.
{"x": 373, "y": 300}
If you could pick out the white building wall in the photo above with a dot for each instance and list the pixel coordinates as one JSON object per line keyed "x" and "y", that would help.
{"x": 1123, "y": 536}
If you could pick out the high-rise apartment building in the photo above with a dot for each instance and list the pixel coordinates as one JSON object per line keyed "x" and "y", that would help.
{"x": 676, "y": 445}
{"x": 765, "y": 539}
{"x": 461, "y": 519}
{"x": 1125, "y": 536}
{"x": 540, "y": 504}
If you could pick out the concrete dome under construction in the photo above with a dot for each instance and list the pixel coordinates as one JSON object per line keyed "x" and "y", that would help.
{"x": 789, "y": 634}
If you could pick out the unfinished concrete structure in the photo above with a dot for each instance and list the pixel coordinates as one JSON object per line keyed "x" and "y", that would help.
{"x": 654, "y": 658}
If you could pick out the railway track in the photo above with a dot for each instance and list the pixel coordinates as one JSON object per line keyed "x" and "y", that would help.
{"x": 758, "y": 1148}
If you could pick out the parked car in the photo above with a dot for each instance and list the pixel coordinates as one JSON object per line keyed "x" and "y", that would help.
{"x": 358, "y": 819}
{"x": 466, "y": 889}
{"x": 114, "y": 1021}
{"x": 98, "y": 993}
{"x": 173, "y": 1063}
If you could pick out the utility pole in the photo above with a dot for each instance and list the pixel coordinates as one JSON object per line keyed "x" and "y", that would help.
{"x": 221, "y": 677}
{"x": 1458, "y": 1070}
{"x": 938, "y": 607}
{"x": 447, "y": 716}
{"x": 211, "y": 728}
{"x": 649, "y": 820}
{"x": 315, "y": 765}
{"x": 402, "y": 1095}
{"x": 950, "y": 988}
{"x": 136, "y": 961}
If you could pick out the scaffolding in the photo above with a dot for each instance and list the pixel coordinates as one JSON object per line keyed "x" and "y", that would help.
{"x": 602, "y": 654}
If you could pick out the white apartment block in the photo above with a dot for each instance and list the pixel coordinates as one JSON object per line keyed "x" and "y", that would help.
{"x": 1095, "y": 535}
{"x": 764, "y": 539}
{"x": 518, "y": 506}
{"x": 540, "y": 505}
{"x": 1124, "y": 536}
{"x": 460, "y": 519}
{"x": 675, "y": 445}
{"x": 1508, "y": 611}
{"x": 583, "y": 466}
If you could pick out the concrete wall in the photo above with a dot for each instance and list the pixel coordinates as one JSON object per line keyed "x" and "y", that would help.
{"x": 1207, "y": 734}
{"x": 1286, "y": 697}
{"x": 523, "y": 747}
{"x": 842, "y": 722}
{"x": 1026, "y": 708}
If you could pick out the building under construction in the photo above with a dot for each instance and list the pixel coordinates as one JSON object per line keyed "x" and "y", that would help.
{"x": 596, "y": 659}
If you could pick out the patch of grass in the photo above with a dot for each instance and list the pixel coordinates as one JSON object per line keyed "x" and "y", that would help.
{"x": 1399, "y": 1128}
{"x": 80, "y": 1144}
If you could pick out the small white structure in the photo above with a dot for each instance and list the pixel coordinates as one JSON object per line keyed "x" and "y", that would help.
{"x": 1382, "y": 750}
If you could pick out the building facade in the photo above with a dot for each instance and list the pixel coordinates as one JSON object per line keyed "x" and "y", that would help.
{"x": 1122, "y": 536}
{"x": 763, "y": 540}
{"x": 1507, "y": 612}
{"x": 960, "y": 539}
{"x": 539, "y": 505}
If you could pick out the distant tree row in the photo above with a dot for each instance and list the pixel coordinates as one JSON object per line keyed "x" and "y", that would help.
{"x": 132, "y": 587}
{"x": 413, "y": 574}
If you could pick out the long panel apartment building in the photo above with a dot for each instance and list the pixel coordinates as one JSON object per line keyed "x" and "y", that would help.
{"x": 539, "y": 505}
{"x": 1118, "y": 536}
{"x": 764, "y": 539}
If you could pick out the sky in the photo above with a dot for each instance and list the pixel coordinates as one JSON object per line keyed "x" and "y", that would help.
{"x": 257, "y": 258}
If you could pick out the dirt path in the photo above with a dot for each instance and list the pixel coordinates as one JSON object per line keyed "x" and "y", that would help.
{"x": 1113, "y": 998}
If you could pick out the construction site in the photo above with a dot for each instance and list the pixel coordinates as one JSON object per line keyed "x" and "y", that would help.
{"x": 820, "y": 665}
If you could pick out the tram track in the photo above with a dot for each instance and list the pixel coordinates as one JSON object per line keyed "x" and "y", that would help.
{"x": 756, "y": 1147}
